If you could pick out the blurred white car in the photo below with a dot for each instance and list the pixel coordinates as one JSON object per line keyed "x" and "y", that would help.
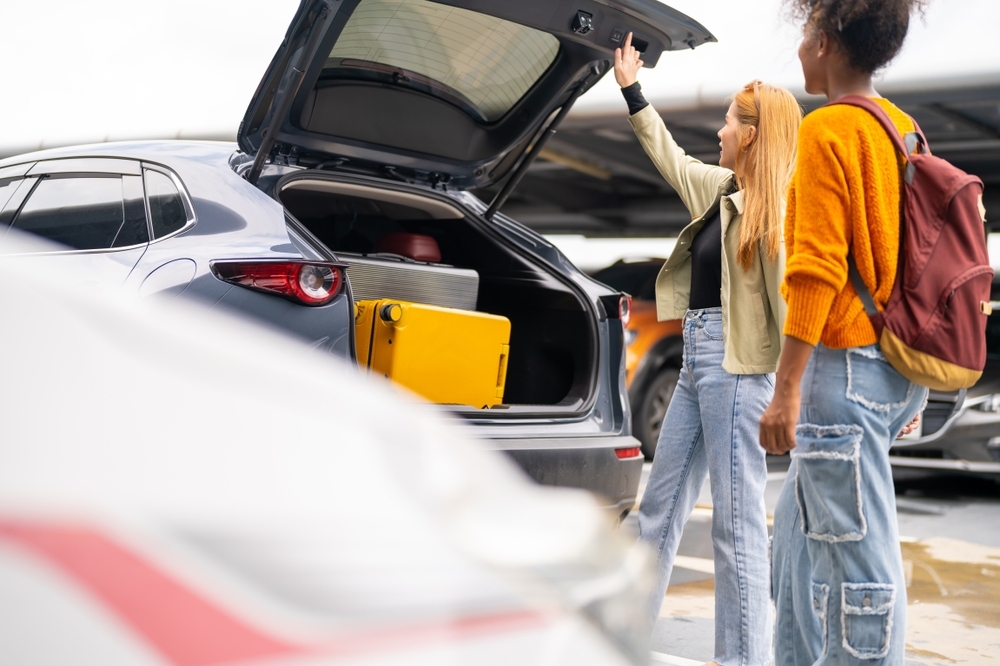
{"x": 181, "y": 488}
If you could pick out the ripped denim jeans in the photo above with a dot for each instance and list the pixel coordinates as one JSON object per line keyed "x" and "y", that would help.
{"x": 837, "y": 574}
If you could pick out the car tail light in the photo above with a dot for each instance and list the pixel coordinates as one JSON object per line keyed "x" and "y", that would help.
{"x": 617, "y": 306}
{"x": 632, "y": 452}
{"x": 306, "y": 282}
{"x": 625, "y": 309}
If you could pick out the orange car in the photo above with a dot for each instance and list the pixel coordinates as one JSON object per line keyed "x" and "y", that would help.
{"x": 653, "y": 351}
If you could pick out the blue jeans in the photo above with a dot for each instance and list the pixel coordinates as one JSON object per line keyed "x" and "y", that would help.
{"x": 712, "y": 428}
{"x": 838, "y": 579}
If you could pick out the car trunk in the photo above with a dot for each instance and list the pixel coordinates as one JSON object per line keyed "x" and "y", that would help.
{"x": 380, "y": 102}
{"x": 552, "y": 361}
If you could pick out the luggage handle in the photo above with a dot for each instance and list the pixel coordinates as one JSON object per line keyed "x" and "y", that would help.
{"x": 502, "y": 370}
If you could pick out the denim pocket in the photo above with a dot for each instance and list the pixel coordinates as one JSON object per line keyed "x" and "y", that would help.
{"x": 828, "y": 482}
{"x": 713, "y": 328}
{"x": 873, "y": 383}
{"x": 820, "y": 604}
{"x": 866, "y": 613}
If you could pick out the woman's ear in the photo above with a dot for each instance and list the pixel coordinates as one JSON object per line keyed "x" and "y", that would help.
{"x": 824, "y": 43}
{"x": 751, "y": 134}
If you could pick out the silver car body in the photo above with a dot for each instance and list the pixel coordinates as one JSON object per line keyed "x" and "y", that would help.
{"x": 179, "y": 486}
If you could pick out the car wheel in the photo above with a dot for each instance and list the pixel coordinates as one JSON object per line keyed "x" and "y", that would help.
{"x": 648, "y": 419}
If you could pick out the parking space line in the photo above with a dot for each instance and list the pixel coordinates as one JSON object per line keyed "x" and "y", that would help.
{"x": 672, "y": 660}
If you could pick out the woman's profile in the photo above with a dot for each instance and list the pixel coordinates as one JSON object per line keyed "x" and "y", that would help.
{"x": 722, "y": 279}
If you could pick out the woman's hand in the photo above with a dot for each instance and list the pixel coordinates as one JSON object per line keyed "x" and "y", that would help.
{"x": 777, "y": 425}
{"x": 627, "y": 63}
{"x": 911, "y": 426}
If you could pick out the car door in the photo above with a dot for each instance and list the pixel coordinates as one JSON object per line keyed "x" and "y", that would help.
{"x": 447, "y": 92}
{"x": 90, "y": 212}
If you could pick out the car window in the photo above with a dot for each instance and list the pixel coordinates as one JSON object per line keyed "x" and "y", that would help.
{"x": 84, "y": 213}
{"x": 6, "y": 190}
{"x": 166, "y": 208}
{"x": 488, "y": 63}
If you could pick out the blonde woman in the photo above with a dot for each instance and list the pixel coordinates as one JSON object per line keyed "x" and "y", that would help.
{"x": 723, "y": 279}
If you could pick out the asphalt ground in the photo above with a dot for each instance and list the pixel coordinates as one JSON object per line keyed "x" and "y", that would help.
{"x": 950, "y": 539}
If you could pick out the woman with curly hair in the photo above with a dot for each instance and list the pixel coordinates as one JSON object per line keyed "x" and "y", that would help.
{"x": 837, "y": 573}
{"x": 722, "y": 279}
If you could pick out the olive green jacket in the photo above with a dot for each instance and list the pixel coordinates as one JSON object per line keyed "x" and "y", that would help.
{"x": 753, "y": 311}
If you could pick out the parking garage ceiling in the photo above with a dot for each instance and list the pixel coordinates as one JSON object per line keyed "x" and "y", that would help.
{"x": 593, "y": 178}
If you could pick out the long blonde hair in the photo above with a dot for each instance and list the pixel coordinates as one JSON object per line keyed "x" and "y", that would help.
{"x": 764, "y": 167}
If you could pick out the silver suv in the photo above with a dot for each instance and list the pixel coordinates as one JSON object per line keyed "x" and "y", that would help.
{"x": 371, "y": 124}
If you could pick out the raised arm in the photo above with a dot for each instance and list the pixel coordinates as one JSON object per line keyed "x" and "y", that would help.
{"x": 697, "y": 183}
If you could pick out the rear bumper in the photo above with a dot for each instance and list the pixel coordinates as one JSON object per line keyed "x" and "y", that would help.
{"x": 967, "y": 443}
{"x": 974, "y": 467}
{"x": 589, "y": 463}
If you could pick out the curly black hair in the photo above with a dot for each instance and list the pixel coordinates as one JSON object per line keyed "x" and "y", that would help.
{"x": 871, "y": 31}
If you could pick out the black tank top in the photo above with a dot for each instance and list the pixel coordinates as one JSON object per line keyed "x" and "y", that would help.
{"x": 706, "y": 265}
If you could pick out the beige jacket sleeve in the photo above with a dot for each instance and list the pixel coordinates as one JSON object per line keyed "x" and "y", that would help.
{"x": 697, "y": 183}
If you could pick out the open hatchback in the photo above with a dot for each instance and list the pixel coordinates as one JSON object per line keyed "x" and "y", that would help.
{"x": 374, "y": 120}
{"x": 345, "y": 218}
{"x": 449, "y": 92}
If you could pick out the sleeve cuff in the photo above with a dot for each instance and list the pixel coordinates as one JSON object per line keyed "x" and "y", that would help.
{"x": 634, "y": 98}
{"x": 809, "y": 303}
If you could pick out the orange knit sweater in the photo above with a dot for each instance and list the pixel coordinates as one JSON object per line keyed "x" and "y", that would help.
{"x": 844, "y": 196}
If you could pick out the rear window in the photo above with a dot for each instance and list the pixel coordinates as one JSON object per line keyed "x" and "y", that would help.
{"x": 166, "y": 209}
{"x": 487, "y": 63}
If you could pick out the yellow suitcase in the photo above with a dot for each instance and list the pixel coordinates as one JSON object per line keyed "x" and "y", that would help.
{"x": 448, "y": 356}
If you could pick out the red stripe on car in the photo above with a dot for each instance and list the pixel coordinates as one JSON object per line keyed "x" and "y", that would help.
{"x": 190, "y": 630}
{"x": 186, "y": 628}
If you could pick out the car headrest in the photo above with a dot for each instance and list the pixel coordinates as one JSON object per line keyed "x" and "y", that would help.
{"x": 418, "y": 247}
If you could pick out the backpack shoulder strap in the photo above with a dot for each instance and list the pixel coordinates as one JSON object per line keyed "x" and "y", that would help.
{"x": 912, "y": 141}
{"x": 860, "y": 287}
{"x": 873, "y": 108}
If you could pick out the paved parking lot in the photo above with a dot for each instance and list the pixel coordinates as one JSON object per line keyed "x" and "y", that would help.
{"x": 950, "y": 527}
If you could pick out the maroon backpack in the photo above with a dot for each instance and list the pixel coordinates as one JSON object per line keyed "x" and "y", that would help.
{"x": 933, "y": 329}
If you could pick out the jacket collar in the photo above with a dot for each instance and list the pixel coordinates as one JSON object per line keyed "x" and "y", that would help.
{"x": 737, "y": 199}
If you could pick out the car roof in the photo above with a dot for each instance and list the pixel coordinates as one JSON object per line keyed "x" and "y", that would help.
{"x": 223, "y": 202}
{"x": 163, "y": 151}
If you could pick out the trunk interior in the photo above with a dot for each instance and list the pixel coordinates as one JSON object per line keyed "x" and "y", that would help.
{"x": 552, "y": 339}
